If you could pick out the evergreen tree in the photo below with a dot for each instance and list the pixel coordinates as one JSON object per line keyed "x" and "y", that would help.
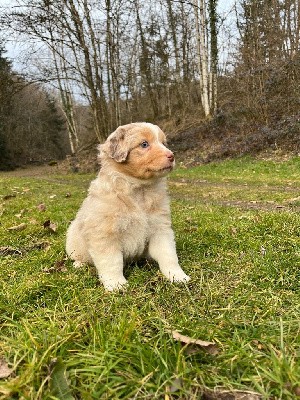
{"x": 54, "y": 127}
{"x": 6, "y": 94}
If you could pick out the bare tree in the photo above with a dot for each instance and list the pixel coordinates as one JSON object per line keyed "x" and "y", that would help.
{"x": 213, "y": 19}
{"x": 145, "y": 66}
{"x": 130, "y": 59}
{"x": 202, "y": 53}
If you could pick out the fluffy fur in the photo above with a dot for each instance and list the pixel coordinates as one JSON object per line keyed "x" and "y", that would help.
{"x": 126, "y": 214}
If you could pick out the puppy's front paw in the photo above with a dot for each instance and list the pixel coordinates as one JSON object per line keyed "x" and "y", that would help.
{"x": 177, "y": 275}
{"x": 114, "y": 284}
{"x": 180, "y": 277}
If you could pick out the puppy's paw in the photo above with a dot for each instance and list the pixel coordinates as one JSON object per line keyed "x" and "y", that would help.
{"x": 78, "y": 264}
{"x": 177, "y": 275}
{"x": 112, "y": 285}
{"x": 182, "y": 277}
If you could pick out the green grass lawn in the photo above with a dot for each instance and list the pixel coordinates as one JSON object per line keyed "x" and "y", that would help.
{"x": 238, "y": 237}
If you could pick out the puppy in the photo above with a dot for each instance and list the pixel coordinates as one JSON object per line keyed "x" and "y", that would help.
{"x": 126, "y": 214}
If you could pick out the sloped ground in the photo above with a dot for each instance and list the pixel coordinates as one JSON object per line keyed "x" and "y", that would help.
{"x": 197, "y": 142}
{"x": 219, "y": 140}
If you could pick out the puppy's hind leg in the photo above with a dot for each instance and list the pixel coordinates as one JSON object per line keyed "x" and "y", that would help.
{"x": 109, "y": 264}
{"x": 76, "y": 247}
{"x": 78, "y": 264}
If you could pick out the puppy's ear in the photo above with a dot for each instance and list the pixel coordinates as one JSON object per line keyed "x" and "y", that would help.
{"x": 116, "y": 146}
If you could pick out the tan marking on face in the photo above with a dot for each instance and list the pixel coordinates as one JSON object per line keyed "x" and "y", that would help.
{"x": 149, "y": 162}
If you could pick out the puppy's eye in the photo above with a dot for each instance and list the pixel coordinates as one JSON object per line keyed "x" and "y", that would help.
{"x": 144, "y": 144}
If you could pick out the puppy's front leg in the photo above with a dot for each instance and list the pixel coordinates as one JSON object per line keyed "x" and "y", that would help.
{"x": 109, "y": 264}
{"x": 163, "y": 250}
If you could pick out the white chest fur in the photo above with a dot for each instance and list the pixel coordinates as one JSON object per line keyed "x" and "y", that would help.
{"x": 142, "y": 217}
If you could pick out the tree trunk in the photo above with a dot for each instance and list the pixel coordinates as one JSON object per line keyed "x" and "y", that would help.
{"x": 145, "y": 64}
{"x": 200, "y": 19}
{"x": 212, "y": 5}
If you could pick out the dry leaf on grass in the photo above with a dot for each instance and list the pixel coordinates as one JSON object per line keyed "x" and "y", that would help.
{"x": 292, "y": 388}
{"x": 39, "y": 246}
{"x": 9, "y": 196}
{"x": 9, "y": 251}
{"x": 194, "y": 345}
{"x": 263, "y": 251}
{"x": 233, "y": 231}
{"x": 21, "y": 213}
{"x": 296, "y": 390}
{"x": 219, "y": 394}
{"x": 179, "y": 184}
{"x": 41, "y": 207}
{"x": 50, "y": 225}
{"x": 59, "y": 266}
{"x": 5, "y": 371}
{"x": 19, "y": 227}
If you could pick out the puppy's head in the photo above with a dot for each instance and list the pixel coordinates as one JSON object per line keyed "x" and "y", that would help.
{"x": 139, "y": 150}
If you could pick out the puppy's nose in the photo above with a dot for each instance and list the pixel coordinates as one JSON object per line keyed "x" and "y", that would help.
{"x": 170, "y": 156}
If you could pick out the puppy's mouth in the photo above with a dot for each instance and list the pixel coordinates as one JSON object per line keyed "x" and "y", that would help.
{"x": 161, "y": 170}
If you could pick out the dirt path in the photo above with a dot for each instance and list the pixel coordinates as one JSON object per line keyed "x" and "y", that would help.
{"x": 176, "y": 184}
{"x": 40, "y": 170}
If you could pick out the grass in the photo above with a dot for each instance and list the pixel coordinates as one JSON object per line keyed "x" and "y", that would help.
{"x": 237, "y": 232}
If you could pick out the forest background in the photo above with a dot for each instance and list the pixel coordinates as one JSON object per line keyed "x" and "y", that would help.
{"x": 221, "y": 81}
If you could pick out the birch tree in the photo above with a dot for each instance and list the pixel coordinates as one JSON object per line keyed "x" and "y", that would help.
{"x": 212, "y": 9}
{"x": 207, "y": 60}
{"x": 67, "y": 103}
